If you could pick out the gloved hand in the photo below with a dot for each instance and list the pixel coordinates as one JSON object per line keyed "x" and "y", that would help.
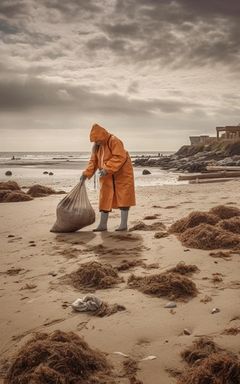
{"x": 82, "y": 178}
{"x": 102, "y": 172}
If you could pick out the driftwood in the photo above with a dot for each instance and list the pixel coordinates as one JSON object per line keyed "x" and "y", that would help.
{"x": 204, "y": 181}
{"x": 213, "y": 168}
{"x": 215, "y": 175}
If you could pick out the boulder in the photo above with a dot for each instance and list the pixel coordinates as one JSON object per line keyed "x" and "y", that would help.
{"x": 8, "y": 173}
{"x": 146, "y": 172}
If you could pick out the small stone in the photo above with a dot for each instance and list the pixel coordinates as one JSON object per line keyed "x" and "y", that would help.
{"x": 11, "y": 235}
{"x": 146, "y": 172}
{"x": 215, "y": 310}
{"x": 45, "y": 172}
{"x": 51, "y": 173}
{"x": 31, "y": 242}
{"x": 8, "y": 173}
{"x": 52, "y": 273}
{"x": 171, "y": 304}
{"x": 33, "y": 245}
{"x": 187, "y": 332}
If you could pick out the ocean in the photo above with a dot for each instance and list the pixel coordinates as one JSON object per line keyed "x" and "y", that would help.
{"x": 28, "y": 167}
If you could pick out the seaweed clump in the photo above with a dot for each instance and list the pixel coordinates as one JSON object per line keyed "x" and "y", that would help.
{"x": 225, "y": 212}
{"x": 145, "y": 227}
{"x": 94, "y": 275}
{"x": 206, "y": 236}
{"x": 217, "y": 228}
{"x": 193, "y": 220}
{"x": 61, "y": 358}
{"x": 209, "y": 364}
{"x": 38, "y": 190}
{"x": 184, "y": 269}
{"x": 167, "y": 284}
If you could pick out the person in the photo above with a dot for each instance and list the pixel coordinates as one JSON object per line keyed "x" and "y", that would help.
{"x": 116, "y": 176}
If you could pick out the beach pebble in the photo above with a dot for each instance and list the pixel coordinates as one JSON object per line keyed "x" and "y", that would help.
{"x": 45, "y": 172}
{"x": 171, "y": 304}
{"x": 146, "y": 172}
{"x": 8, "y": 173}
{"x": 187, "y": 332}
{"x": 11, "y": 235}
{"x": 215, "y": 310}
{"x": 50, "y": 173}
{"x": 52, "y": 273}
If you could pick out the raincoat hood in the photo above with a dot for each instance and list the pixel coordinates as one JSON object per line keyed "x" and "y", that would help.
{"x": 98, "y": 133}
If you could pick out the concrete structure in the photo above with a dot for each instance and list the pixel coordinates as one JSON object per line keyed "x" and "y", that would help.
{"x": 230, "y": 132}
{"x": 203, "y": 139}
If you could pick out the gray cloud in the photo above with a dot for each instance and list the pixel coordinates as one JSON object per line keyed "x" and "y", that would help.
{"x": 166, "y": 64}
{"x": 36, "y": 94}
{"x": 174, "y": 33}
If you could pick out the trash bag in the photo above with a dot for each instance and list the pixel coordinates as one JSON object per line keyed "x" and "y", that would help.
{"x": 74, "y": 211}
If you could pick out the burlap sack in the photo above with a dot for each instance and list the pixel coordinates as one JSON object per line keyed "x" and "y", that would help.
{"x": 74, "y": 211}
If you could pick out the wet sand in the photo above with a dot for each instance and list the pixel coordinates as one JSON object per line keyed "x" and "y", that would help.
{"x": 34, "y": 297}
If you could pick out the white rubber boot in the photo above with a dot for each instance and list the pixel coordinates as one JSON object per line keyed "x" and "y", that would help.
{"x": 124, "y": 220}
{"x": 103, "y": 222}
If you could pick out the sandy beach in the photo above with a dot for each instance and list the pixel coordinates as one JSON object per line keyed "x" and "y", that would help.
{"x": 35, "y": 297}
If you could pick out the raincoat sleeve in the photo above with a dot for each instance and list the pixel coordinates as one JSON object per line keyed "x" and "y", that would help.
{"x": 92, "y": 166}
{"x": 119, "y": 156}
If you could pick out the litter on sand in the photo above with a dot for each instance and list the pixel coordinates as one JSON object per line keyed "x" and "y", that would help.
{"x": 59, "y": 357}
{"x": 120, "y": 354}
{"x": 74, "y": 211}
{"x": 87, "y": 303}
{"x": 151, "y": 357}
{"x": 96, "y": 306}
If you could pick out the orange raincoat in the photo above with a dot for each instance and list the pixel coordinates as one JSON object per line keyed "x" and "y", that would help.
{"x": 117, "y": 187}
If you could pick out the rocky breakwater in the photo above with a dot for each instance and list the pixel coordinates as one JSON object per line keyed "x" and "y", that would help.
{"x": 196, "y": 158}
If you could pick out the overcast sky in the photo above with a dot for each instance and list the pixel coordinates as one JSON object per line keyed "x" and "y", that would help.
{"x": 152, "y": 72}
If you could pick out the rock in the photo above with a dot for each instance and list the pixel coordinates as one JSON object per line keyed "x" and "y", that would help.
{"x": 187, "y": 332}
{"x": 171, "y": 304}
{"x": 11, "y": 235}
{"x": 8, "y": 173}
{"x": 51, "y": 173}
{"x": 45, "y": 172}
{"x": 146, "y": 172}
{"x": 215, "y": 310}
{"x": 10, "y": 185}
